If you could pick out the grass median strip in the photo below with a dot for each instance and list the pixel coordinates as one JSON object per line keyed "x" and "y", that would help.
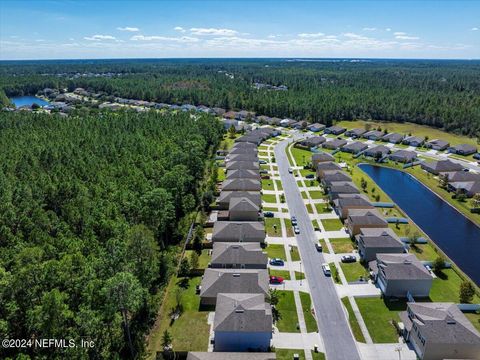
{"x": 357, "y": 331}
{"x": 310, "y": 321}
{"x": 294, "y": 253}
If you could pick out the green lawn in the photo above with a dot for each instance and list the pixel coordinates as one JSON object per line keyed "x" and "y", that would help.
{"x": 299, "y": 275}
{"x": 304, "y": 195}
{"x": 323, "y": 208}
{"x": 203, "y": 259}
{"x": 273, "y": 227}
{"x": 324, "y": 246}
{"x": 353, "y": 271}
{"x": 221, "y": 173}
{"x": 263, "y": 153}
{"x": 342, "y": 245}
{"x": 309, "y": 208}
{"x": 287, "y": 354}
{"x": 332, "y": 224}
{"x": 378, "y": 314}
{"x": 288, "y": 226}
{"x": 267, "y": 184}
{"x": 269, "y": 198}
{"x": 285, "y": 274}
{"x": 424, "y": 252}
{"x": 301, "y": 156}
{"x": 288, "y": 321}
{"x": 190, "y": 318}
{"x": 310, "y": 321}
{"x": 315, "y": 224}
{"x": 334, "y": 271}
{"x": 474, "y": 318}
{"x": 446, "y": 287}
{"x": 227, "y": 143}
{"x": 294, "y": 253}
{"x": 316, "y": 194}
{"x": 305, "y": 172}
{"x": 276, "y": 251}
{"x": 284, "y": 210}
{"x": 279, "y": 184}
{"x": 273, "y": 209}
{"x": 357, "y": 332}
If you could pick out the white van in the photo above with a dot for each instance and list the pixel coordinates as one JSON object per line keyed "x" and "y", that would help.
{"x": 326, "y": 269}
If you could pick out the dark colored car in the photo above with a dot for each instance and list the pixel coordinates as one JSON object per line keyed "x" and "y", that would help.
{"x": 294, "y": 220}
{"x": 348, "y": 258}
{"x": 310, "y": 176}
{"x": 277, "y": 262}
{"x": 268, "y": 214}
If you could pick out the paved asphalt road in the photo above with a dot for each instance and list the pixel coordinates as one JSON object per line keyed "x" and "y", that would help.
{"x": 332, "y": 323}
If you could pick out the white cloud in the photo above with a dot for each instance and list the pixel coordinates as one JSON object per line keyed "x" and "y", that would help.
{"x": 388, "y": 29}
{"x": 213, "y": 31}
{"x": 179, "y": 29}
{"x": 99, "y": 37}
{"x": 311, "y": 35}
{"x": 369, "y": 29}
{"x": 184, "y": 39}
{"x": 475, "y": 29}
{"x": 354, "y": 36}
{"x": 128, "y": 28}
{"x": 399, "y": 33}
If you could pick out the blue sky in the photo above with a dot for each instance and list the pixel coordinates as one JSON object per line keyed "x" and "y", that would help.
{"x": 72, "y": 29}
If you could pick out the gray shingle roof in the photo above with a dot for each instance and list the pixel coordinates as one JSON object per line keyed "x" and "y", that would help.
{"x": 352, "y": 200}
{"x": 343, "y": 187}
{"x": 241, "y": 185}
{"x": 335, "y": 175}
{"x": 243, "y": 145}
{"x": 238, "y": 253}
{"x": 242, "y": 174}
{"x": 393, "y": 137}
{"x": 441, "y": 166}
{"x": 242, "y": 313}
{"x": 355, "y": 146}
{"x": 467, "y": 148}
{"x": 356, "y": 132}
{"x": 438, "y": 142}
{"x": 403, "y": 155}
{"x": 379, "y": 237}
{"x": 334, "y": 144}
{"x": 243, "y": 231}
{"x": 322, "y": 157}
{"x": 249, "y": 165}
{"x": 242, "y": 204}
{"x": 374, "y": 133}
{"x": 313, "y": 141}
{"x": 243, "y": 157}
{"x": 365, "y": 217}
{"x": 413, "y": 139}
{"x": 253, "y": 196}
{"x": 240, "y": 281}
{"x": 379, "y": 149}
{"x": 401, "y": 266}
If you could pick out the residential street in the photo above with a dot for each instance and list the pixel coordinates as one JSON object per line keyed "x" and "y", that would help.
{"x": 332, "y": 322}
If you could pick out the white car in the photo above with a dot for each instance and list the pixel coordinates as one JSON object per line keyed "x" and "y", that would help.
{"x": 290, "y": 170}
{"x": 296, "y": 230}
{"x": 326, "y": 269}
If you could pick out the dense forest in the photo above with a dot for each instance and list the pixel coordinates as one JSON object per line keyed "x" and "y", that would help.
{"x": 92, "y": 210}
{"x": 444, "y": 94}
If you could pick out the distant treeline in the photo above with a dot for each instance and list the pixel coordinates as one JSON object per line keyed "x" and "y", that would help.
{"x": 444, "y": 94}
{"x": 92, "y": 209}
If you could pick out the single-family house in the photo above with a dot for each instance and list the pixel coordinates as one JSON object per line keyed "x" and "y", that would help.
{"x": 413, "y": 140}
{"x": 300, "y": 125}
{"x": 241, "y": 185}
{"x": 378, "y": 151}
{"x": 440, "y": 166}
{"x": 373, "y": 241}
{"x": 403, "y": 156}
{"x": 254, "y": 139}
{"x": 355, "y": 133}
{"x": 394, "y": 138}
{"x": 321, "y": 157}
{"x": 238, "y": 256}
{"x": 218, "y": 111}
{"x": 310, "y": 142}
{"x": 335, "y": 130}
{"x": 354, "y": 147}
{"x": 437, "y": 144}
{"x": 242, "y": 322}
{"x": 346, "y": 202}
{"x": 440, "y": 331}
{"x": 334, "y": 176}
{"x": 250, "y": 156}
{"x": 247, "y": 165}
{"x": 325, "y": 166}
{"x": 230, "y": 115}
{"x": 232, "y": 281}
{"x": 401, "y": 274}
{"x": 242, "y": 209}
{"x": 455, "y": 176}
{"x": 341, "y": 187}
{"x": 364, "y": 218}
{"x": 238, "y": 231}
{"x": 245, "y": 115}
{"x": 244, "y": 145}
{"x": 334, "y": 144}
{"x": 262, "y": 119}
{"x": 476, "y": 156}
{"x": 287, "y": 122}
{"x": 316, "y": 127}
{"x": 463, "y": 149}
{"x": 223, "y": 200}
{"x": 469, "y": 188}
{"x": 373, "y": 135}
{"x": 194, "y": 355}
{"x": 240, "y": 150}
{"x": 242, "y": 174}
{"x": 274, "y": 121}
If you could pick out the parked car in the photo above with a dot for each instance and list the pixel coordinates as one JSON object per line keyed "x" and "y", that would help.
{"x": 326, "y": 269}
{"x": 262, "y": 162}
{"x": 318, "y": 246}
{"x": 277, "y": 262}
{"x": 348, "y": 258}
{"x": 276, "y": 280}
{"x": 263, "y": 171}
{"x": 268, "y": 214}
{"x": 310, "y": 176}
{"x": 296, "y": 230}
{"x": 265, "y": 177}
{"x": 290, "y": 170}
{"x": 294, "y": 220}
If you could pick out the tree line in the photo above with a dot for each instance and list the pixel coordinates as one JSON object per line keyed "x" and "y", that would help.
{"x": 92, "y": 210}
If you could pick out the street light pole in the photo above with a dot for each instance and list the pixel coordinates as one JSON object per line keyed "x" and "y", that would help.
{"x": 301, "y": 273}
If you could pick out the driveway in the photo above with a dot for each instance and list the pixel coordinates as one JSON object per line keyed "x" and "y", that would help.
{"x": 332, "y": 323}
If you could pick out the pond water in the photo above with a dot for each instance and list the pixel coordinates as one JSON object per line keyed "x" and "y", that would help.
{"x": 28, "y": 100}
{"x": 457, "y": 236}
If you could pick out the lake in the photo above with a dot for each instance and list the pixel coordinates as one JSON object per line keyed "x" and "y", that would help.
{"x": 457, "y": 236}
{"x": 28, "y": 100}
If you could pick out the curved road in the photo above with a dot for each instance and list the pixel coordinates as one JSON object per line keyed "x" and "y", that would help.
{"x": 332, "y": 323}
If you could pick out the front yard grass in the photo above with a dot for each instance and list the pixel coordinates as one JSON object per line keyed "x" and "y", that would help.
{"x": 276, "y": 251}
{"x": 316, "y": 194}
{"x": 289, "y": 227}
{"x": 272, "y": 209}
{"x": 294, "y": 253}
{"x": 357, "y": 332}
{"x": 305, "y": 172}
{"x": 273, "y": 227}
{"x": 310, "y": 321}
{"x": 304, "y": 195}
{"x": 301, "y": 156}
{"x": 332, "y": 224}
{"x": 285, "y": 274}
{"x": 342, "y": 245}
{"x": 353, "y": 271}
{"x": 279, "y": 184}
{"x": 324, "y": 246}
{"x": 288, "y": 321}
{"x": 309, "y": 208}
{"x": 269, "y": 198}
{"x": 334, "y": 272}
{"x": 287, "y": 354}
{"x": 378, "y": 315}
{"x": 267, "y": 184}
{"x": 299, "y": 275}
{"x": 323, "y": 208}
